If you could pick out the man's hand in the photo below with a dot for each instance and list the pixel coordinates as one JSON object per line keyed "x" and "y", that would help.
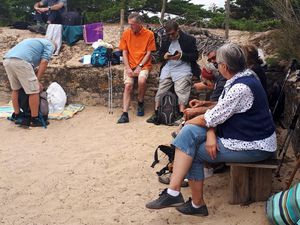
{"x": 211, "y": 143}
{"x": 129, "y": 72}
{"x": 137, "y": 71}
{"x": 200, "y": 86}
{"x": 41, "y": 10}
{"x": 169, "y": 56}
{"x": 196, "y": 103}
{"x": 189, "y": 113}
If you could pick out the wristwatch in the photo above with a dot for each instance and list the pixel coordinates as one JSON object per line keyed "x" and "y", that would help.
{"x": 49, "y": 8}
{"x": 141, "y": 65}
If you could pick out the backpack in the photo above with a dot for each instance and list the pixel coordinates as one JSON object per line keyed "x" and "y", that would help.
{"x": 170, "y": 152}
{"x": 284, "y": 207}
{"x": 43, "y": 107}
{"x": 71, "y": 18}
{"x": 168, "y": 109}
{"x": 99, "y": 57}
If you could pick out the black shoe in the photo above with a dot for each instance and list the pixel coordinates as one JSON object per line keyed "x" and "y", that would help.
{"x": 140, "y": 110}
{"x": 152, "y": 119}
{"x": 15, "y": 117}
{"x": 123, "y": 119}
{"x": 165, "y": 200}
{"x": 36, "y": 122}
{"x": 188, "y": 209}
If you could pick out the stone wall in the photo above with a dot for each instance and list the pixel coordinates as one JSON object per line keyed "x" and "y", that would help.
{"x": 86, "y": 84}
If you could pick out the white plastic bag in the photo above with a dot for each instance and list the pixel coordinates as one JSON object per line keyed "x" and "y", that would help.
{"x": 56, "y": 97}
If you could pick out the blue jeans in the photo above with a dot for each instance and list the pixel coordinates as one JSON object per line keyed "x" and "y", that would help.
{"x": 191, "y": 140}
{"x": 54, "y": 16}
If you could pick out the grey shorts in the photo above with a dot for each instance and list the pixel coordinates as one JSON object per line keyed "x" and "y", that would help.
{"x": 182, "y": 88}
{"x": 21, "y": 75}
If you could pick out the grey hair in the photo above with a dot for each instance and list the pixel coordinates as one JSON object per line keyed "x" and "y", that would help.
{"x": 138, "y": 18}
{"x": 233, "y": 56}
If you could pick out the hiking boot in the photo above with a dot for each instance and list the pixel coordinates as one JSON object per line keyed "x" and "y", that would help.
{"x": 166, "y": 178}
{"x": 152, "y": 119}
{"x": 25, "y": 122}
{"x": 179, "y": 121}
{"x": 15, "y": 118}
{"x": 140, "y": 110}
{"x": 36, "y": 122}
{"x": 123, "y": 119}
{"x": 165, "y": 200}
{"x": 188, "y": 209}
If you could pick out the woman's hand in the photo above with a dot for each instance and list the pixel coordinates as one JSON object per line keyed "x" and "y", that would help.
{"x": 211, "y": 143}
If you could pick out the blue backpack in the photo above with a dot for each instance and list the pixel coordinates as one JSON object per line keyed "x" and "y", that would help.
{"x": 99, "y": 57}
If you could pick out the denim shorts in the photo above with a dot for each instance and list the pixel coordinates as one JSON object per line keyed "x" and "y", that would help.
{"x": 191, "y": 140}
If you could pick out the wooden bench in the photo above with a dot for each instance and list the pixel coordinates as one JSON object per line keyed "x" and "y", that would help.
{"x": 251, "y": 182}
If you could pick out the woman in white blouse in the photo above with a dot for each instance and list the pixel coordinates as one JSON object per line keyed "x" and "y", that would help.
{"x": 239, "y": 128}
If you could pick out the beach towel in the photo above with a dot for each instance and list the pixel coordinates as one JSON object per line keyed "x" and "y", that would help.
{"x": 92, "y": 32}
{"x": 72, "y": 34}
{"x": 6, "y": 111}
{"x": 68, "y": 112}
{"x": 54, "y": 33}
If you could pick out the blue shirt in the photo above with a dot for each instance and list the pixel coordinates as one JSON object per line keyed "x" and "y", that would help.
{"x": 176, "y": 69}
{"x": 54, "y": 2}
{"x": 32, "y": 50}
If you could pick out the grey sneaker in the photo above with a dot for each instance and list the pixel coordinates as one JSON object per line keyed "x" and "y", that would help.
{"x": 165, "y": 200}
{"x": 166, "y": 178}
{"x": 188, "y": 209}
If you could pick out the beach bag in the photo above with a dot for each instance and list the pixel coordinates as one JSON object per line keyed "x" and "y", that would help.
{"x": 71, "y": 18}
{"x": 284, "y": 207}
{"x": 168, "y": 151}
{"x": 56, "y": 97}
{"x": 99, "y": 57}
{"x": 168, "y": 109}
{"x": 23, "y": 100}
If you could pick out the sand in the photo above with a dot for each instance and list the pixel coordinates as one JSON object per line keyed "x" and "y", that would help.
{"x": 90, "y": 170}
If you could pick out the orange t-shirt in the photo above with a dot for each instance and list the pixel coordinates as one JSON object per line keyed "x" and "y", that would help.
{"x": 137, "y": 46}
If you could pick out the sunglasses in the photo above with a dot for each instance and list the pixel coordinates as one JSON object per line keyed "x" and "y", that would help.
{"x": 211, "y": 59}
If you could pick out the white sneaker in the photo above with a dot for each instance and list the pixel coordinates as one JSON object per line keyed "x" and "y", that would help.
{"x": 208, "y": 172}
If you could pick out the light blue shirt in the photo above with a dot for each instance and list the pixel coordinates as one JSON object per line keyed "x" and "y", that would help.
{"x": 176, "y": 69}
{"x": 32, "y": 50}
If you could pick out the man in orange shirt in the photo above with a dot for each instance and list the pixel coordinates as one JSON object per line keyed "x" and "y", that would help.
{"x": 136, "y": 44}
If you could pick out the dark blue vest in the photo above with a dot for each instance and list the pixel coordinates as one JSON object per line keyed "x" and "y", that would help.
{"x": 254, "y": 124}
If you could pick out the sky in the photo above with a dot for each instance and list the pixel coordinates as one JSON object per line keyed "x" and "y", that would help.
{"x": 208, "y": 3}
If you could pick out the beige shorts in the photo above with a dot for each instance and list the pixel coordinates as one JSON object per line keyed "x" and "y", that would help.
{"x": 182, "y": 88}
{"x": 21, "y": 75}
{"x": 143, "y": 73}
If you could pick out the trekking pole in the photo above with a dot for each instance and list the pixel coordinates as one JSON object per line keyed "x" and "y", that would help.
{"x": 292, "y": 68}
{"x": 288, "y": 139}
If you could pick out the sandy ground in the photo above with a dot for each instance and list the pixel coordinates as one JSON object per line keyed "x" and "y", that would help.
{"x": 90, "y": 170}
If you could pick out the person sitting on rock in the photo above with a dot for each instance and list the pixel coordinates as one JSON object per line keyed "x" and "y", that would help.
{"x": 179, "y": 54}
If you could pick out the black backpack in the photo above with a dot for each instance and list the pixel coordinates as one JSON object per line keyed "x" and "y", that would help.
{"x": 43, "y": 108}
{"x": 71, "y": 18}
{"x": 170, "y": 152}
{"x": 168, "y": 109}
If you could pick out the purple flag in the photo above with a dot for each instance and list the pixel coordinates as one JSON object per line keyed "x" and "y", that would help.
{"x": 92, "y": 32}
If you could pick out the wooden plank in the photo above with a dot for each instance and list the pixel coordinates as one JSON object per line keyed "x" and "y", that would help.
{"x": 260, "y": 184}
{"x": 268, "y": 164}
{"x": 239, "y": 185}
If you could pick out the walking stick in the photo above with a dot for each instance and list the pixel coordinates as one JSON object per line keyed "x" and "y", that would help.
{"x": 288, "y": 184}
{"x": 109, "y": 78}
{"x": 292, "y": 68}
{"x": 288, "y": 139}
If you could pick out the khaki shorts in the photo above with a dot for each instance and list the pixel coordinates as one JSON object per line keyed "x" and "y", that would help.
{"x": 21, "y": 75}
{"x": 182, "y": 88}
{"x": 143, "y": 73}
